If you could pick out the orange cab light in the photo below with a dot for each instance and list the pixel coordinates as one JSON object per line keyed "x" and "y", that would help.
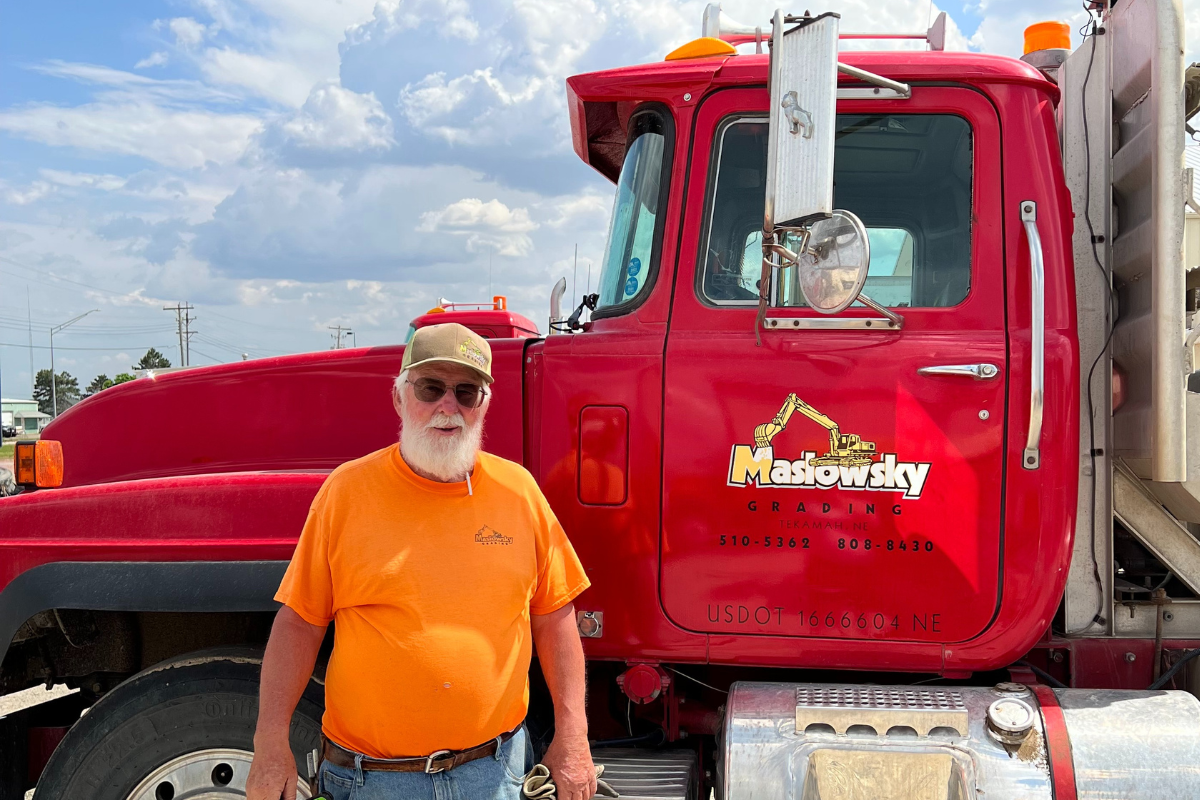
{"x": 1047, "y": 36}
{"x": 500, "y": 302}
{"x": 436, "y": 310}
{"x": 24, "y": 461}
{"x": 39, "y": 464}
{"x": 704, "y": 47}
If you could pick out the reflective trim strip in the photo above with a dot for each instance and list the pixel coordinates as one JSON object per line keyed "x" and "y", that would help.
{"x": 1058, "y": 744}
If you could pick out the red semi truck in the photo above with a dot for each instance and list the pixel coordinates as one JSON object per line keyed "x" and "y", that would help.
{"x": 940, "y": 543}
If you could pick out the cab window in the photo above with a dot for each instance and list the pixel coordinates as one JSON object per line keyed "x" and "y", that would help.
{"x": 631, "y": 253}
{"x": 907, "y": 176}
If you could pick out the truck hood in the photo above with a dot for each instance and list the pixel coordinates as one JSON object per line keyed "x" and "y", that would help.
{"x": 307, "y": 412}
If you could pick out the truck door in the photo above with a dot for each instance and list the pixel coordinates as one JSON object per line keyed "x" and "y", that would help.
{"x": 845, "y": 478}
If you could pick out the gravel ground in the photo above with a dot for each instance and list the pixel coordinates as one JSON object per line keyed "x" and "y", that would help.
{"x": 11, "y": 703}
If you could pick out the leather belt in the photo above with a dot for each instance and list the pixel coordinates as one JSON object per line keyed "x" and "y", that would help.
{"x": 440, "y": 761}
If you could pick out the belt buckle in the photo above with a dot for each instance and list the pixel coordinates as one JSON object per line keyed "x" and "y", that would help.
{"x": 429, "y": 770}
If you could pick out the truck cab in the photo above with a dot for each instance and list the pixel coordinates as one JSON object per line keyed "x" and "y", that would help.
{"x": 936, "y": 549}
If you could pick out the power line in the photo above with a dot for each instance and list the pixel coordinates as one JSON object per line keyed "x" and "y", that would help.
{"x": 210, "y": 358}
{"x": 18, "y": 264}
{"x": 99, "y": 349}
{"x": 218, "y": 342}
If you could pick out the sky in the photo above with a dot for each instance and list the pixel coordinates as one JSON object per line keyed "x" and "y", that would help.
{"x": 285, "y": 166}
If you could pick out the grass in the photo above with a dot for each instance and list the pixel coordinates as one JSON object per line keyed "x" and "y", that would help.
{"x": 6, "y": 453}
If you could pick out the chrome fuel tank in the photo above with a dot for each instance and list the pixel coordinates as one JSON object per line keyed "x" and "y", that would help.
{"x": 860, "y": 742}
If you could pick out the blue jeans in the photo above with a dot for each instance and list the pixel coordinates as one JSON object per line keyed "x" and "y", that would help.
{"x": 495, "y": 777}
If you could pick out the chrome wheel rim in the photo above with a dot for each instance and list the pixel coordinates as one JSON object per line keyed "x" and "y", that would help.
{"x": 217, "y": 774}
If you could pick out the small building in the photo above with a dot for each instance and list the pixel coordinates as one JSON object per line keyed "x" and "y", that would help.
{"x": 23, "y": 415}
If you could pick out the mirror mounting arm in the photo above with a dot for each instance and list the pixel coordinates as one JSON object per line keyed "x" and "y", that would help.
{"x": 894, "y": 319}
{"x": 902, "y": 89}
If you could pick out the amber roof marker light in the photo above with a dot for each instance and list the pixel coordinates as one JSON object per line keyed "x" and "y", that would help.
{"x": 39, "y": 464}
{"x": 1047, "y": 45}
{"x": 704, "y": 47}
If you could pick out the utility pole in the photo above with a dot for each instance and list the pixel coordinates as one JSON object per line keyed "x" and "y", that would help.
{"x": 183, "y": 323}
{"x": 53, "y": 376}
{"x": 32, "y": 371}
{"x": 338, "y": 332}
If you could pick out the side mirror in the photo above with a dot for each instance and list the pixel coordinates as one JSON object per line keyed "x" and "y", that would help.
{"x": 803, "y": 120}
{"x": 831, "y": 267}
{"x": 834, "y": 253}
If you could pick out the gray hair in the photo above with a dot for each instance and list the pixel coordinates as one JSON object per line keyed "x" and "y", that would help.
{"x": 398, "y": 384}
{"x": 8, "y": 484}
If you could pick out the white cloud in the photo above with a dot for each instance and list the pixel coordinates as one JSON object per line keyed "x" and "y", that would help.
{"x": 487, "y": 226}
{"x": 188, "y": 32}
{"x": 130, "y": 84}
{"x": 187, "y": 139}
{"x": 335, "y": 118}
{"x": 450, "y": 109}
{"x": 30, "y": 194}
{"x": 105, "y": 183}
{"x": 156, "y": 59}
{"x": 278, "y": 80}
{"x": 472, "y": 214}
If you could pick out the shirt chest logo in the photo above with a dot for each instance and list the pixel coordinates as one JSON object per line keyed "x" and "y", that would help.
{"x": 487, "y": 536}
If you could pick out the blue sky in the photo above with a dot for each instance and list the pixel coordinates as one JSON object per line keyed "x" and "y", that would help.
{"x": 289, "y": 165}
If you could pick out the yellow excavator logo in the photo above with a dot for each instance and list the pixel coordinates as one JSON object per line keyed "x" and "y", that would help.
{"x": 850, "y": 462}
{"x": 845, "y": 449}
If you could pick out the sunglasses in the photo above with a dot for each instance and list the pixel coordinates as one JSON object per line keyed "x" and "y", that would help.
{"x": 429, "y": 390}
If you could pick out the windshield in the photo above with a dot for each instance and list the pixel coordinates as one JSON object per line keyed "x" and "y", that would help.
{"x": 625, "y": 271}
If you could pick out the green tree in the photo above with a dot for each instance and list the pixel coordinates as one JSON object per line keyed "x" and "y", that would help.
{"x": 98, "y": 384}
{"x": 122, "y": 377}
{"x": 66, "y": 390}
{"x": 152, "y": 360}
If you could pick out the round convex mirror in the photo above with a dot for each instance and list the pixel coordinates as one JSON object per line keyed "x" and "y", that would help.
{"x": 832, "y": 271}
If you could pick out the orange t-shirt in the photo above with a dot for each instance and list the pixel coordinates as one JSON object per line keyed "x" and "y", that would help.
{"x": 430, "y": 589}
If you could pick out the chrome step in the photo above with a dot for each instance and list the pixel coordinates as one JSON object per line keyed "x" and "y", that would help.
{"x": 649, "y": 774}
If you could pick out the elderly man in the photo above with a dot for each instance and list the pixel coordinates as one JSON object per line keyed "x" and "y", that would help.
{"x": 438, "y": 563}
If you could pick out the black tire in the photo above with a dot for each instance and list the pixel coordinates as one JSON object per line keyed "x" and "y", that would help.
{"x": 198, "y": 702}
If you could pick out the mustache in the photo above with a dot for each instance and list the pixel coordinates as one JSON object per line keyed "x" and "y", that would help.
{"x": 441, "y": 419}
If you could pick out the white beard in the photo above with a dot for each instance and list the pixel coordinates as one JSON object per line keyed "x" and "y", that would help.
{"x": 448, "y": 459}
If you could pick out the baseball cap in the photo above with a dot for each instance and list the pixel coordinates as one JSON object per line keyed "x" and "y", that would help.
{"x": 449, "y": 343}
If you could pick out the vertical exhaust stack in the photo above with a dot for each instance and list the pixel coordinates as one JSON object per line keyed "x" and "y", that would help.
{"x": 556, "y": 315}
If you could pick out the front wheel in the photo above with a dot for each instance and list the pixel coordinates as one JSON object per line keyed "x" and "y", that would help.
{"x": 178, "y": 731}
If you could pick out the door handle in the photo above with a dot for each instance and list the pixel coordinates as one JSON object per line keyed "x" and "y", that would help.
{"x": 1031, "y": 458}
{"x": 980, "y": 372}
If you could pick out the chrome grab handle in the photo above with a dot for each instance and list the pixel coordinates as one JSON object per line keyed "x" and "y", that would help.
{"x": 980, "y": 372}
{"x": 1037, "y": 378}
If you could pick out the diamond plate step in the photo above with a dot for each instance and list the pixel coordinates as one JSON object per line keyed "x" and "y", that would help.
{"x": 649, "y": 774}
{"x": 880, "y": 708}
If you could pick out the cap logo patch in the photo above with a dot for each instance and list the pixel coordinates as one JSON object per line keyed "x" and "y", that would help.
{"x": 470, "y": 351}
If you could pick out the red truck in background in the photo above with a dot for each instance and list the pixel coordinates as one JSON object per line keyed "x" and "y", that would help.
{"x": 934, "y": 545}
